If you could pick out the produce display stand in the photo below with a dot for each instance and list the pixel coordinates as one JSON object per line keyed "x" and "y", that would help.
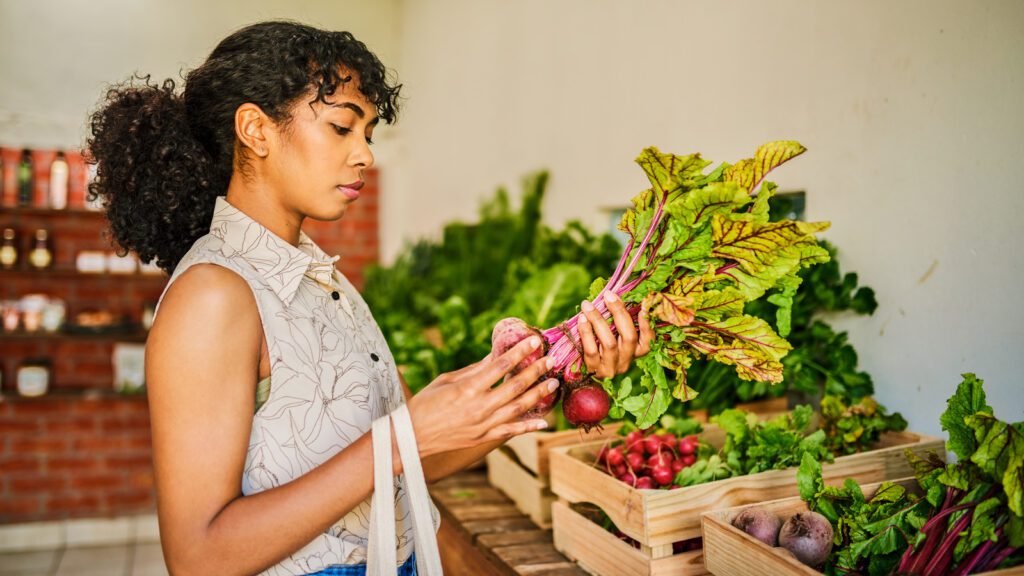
{"x": 657, "y": 518}
{"x": 520, "y": 468}
{"x": 728, "y": 551}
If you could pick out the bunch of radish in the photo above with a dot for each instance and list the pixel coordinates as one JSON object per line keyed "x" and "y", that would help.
{"x": 649, "y": 461}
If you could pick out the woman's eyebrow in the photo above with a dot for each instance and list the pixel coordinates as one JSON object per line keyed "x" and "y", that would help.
{"x": 357, "y": 109}
{"x": 351, "y": 106}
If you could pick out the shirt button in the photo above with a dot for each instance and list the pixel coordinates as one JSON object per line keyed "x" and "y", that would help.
{"x": 335, "y": 295}
{"x": 374, "y": 357}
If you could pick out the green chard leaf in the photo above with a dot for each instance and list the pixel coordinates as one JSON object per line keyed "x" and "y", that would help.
{"x": 969, "y": 399}
{"x": 697, "y": 207}
{"x": 808, "y": 478}
{"x": 748, "y": 173}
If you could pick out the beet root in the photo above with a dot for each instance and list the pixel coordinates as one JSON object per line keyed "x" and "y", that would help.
{"x": 808, "y": 535}
{"x": 510, "y": 331}
{"x": 546, "y": 404}
{"x": 586, "y": 406}
{"x": 760, "y": 524}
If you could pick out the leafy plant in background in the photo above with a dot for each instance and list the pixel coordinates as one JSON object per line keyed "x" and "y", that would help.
{"x": 438, "y": 302}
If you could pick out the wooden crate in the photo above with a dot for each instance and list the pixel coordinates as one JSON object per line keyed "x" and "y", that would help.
{"x": 531, "y": 493}
{"x": 657, "y": 518}
{"x": 728, "y": 551}
{"x": 598, "y": 551}
{"x": 520, "y": 468}
{"x": 531, "y": 450}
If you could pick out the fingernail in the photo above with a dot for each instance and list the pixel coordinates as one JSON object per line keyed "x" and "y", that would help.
{"x": 587, "y": 306}
{"x": 550, "y": 363}
{"x": 583, "y": 319}
{"x": 611, "y": 297}
{"x": 552, "y": 385}
{"x": 541, "y": 425}
{"x": 534, "y": 342}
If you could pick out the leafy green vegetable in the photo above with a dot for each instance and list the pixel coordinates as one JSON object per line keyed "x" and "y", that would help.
{"x": 822, "y": 360}
{"x": 701, "y": 245}
{"x": 856, "y": 427}
{"x": 969, "y": 519}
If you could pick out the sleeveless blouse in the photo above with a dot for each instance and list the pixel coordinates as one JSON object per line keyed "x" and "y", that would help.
{"x": 331, "y": 376}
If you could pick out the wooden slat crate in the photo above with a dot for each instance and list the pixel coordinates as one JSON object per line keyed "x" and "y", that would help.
{"x": 657, "y": 518}
{"x": 598, "y": 551}
{"x": 531, "y": 494}
{"x": 728, "y": 551}
{"x": 520, "y": 468}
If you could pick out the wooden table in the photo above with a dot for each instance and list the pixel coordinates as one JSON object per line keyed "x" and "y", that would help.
{"x": 483, "y": 533}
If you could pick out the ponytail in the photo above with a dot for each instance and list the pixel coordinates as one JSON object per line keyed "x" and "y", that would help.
{"x": 155, "y": 180}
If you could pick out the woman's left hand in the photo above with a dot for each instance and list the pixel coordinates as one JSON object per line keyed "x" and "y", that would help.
{"x": 605, "y": 354}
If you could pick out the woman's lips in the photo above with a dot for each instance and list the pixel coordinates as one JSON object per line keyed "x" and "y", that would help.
{"x": 351, "y": 191}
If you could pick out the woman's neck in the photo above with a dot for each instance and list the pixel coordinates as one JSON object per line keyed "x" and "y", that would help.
{"x": 258, "y": 203}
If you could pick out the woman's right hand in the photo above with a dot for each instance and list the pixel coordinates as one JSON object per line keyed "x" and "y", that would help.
{"x": 463, "y": 409}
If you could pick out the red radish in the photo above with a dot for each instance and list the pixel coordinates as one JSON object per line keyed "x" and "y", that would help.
{"x": 659, "y": 459}
{"x": 688, "y": 459}
{"x": 637, "y": 447}
{"x": 651, "y": 444}
{"x": 628, "y": 478}
{"x": 633, "y": 437}
{"x": 644, "y": 483}
{"x": 677, "y": 466}
{"x": 635, "y": 460}
{"x": 586, "y": 406}
{"x": 662, "y": 475}
{"x": 602, "y": 454}
{"x": 620, "y": 470}
{"x": 686, "y": 446}
{"x": 614, "y": 456}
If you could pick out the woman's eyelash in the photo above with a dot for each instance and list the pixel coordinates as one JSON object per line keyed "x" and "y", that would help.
{"x": 346, "y": 131}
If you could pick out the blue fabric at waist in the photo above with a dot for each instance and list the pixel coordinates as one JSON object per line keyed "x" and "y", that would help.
{"x": 406, "y": 569}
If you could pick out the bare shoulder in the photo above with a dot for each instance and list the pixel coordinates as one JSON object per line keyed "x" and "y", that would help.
{"x": 204, "y": 306}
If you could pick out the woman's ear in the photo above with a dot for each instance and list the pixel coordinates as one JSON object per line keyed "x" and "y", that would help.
{"x": 251, "y": 127}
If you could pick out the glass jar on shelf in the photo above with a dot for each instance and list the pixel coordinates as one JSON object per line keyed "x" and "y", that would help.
{"x": 41, "y": 255}
{"x": 9, "y": 249}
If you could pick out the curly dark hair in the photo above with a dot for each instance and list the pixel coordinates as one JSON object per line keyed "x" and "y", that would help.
{"x": 162, "y": 158}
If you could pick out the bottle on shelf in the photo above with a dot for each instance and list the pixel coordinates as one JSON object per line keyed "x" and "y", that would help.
{"x": 41, "y": 256}
{"x": 59, "y": 182}
{"x": 25, "y": 178}
{"x": 9, "y": 249}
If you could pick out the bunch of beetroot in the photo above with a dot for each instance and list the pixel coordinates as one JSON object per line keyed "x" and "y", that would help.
{"x": 649, "y": 461}
{"x": 700, "y": 246}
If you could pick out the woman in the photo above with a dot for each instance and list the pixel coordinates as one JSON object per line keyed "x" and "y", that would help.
{"x": 265, "y": 370}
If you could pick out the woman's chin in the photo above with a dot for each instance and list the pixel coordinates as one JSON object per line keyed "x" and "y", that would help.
{"x": 329, "y": 213}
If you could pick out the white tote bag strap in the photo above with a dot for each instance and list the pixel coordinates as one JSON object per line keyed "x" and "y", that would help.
{"x": 428, "y": 557}
{"x": 381, "y": 554}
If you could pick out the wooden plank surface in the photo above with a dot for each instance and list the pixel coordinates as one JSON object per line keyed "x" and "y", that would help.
{"x": 482, "y": 533}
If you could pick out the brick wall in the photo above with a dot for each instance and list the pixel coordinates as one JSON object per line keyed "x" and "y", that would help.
{"x": 81, "y": 451}
{"x": 67, "y": 456}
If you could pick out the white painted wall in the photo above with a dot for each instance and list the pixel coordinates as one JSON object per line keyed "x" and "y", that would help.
{"x": 56, "y": 56}
{"x": 913, "y": 112}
